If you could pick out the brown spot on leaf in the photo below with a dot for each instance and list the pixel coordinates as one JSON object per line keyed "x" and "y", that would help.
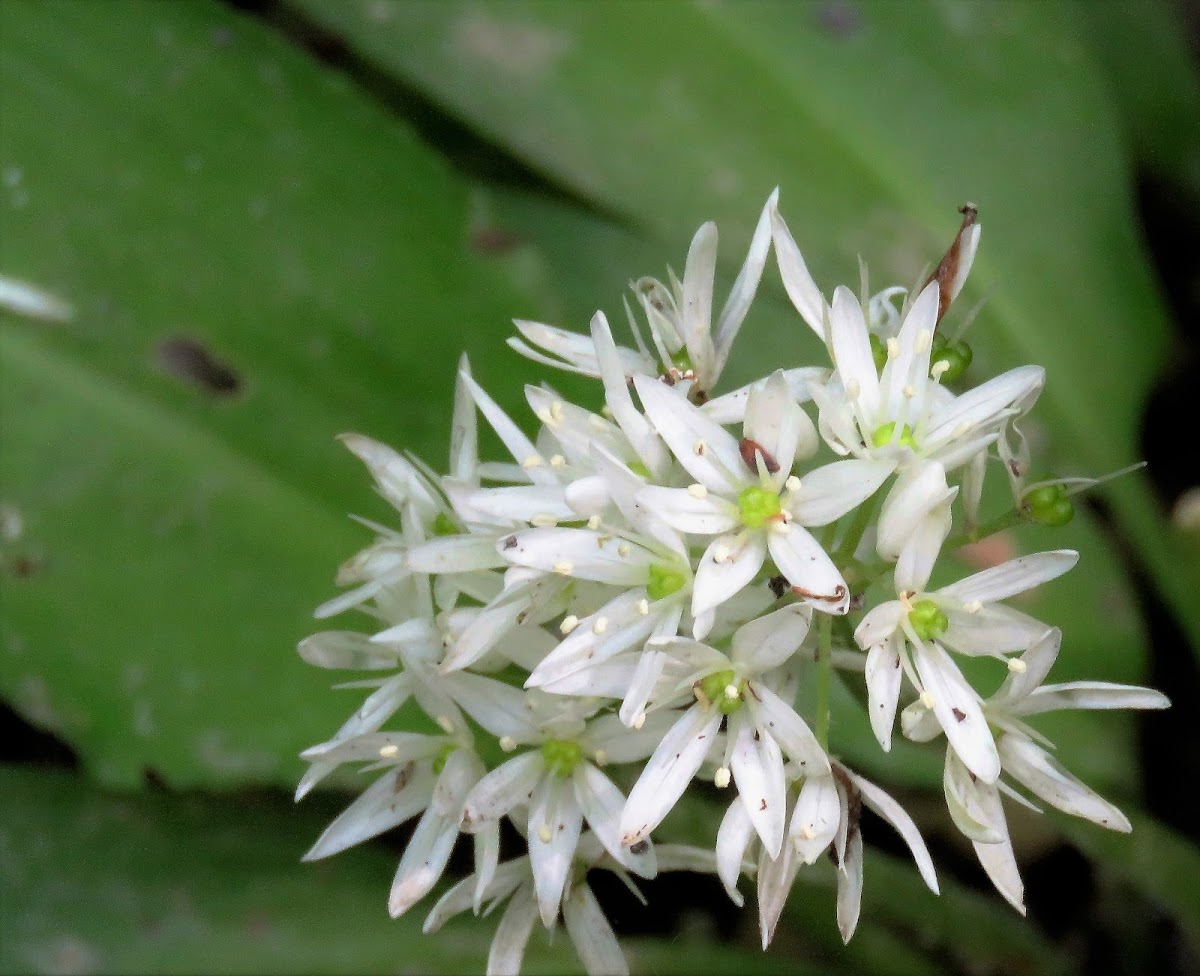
{"x": 191, "y": 361}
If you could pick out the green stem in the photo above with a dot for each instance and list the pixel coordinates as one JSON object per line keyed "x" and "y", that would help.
{"x": 824, "y": 667}
{"x": 854, "y": 534}
{"x": 1010, "y": 518}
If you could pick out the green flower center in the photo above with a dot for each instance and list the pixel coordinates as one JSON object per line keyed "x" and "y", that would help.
{"x": 444, "y": 525}
{"x": 758, "y": 506}
{"x": 562, "y": 756}
{"x": 715, "y": 689}
{"x": 665, "y": 580}
{"x": 927, "y": 620}
{"x": 883, "y": 436}
{"x": 444, "y": 753}
{"x": 1050, "y": 505}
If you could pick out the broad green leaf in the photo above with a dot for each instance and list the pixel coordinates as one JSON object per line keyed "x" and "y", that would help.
{"x": 176, "y": 171}
{"x": 877, "y": 126}
{"x": 155, "y": 883}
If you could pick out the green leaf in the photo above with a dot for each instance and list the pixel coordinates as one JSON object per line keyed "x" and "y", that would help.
{"x": 155, "y": 883}
{"x": 176, "y": 172}
{"x": 877, "y": 127}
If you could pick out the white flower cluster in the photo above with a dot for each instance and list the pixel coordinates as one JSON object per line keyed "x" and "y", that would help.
{"x": 640, "y": 594}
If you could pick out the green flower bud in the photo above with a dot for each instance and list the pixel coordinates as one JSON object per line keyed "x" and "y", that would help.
{"x": 957, "y": 356}
{"x": 1049, "y": 505}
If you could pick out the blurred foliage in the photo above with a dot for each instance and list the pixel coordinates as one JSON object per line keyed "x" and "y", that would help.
{"x": 265, "y": 247}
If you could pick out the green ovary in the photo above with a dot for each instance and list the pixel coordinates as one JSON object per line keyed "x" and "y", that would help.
{"x": 665, "y": 580}
{"x": 758, "y": 506}
{"x": 927, "y": 620}
{"x": 562, "y": 756}
{"x": 1050, "y": 505}
{"x": 883, "y": 436}
{"x": 714, "y": 689}
{"x": 444, "y": 525}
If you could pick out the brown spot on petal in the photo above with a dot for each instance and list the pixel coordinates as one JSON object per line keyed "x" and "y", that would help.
{"x": 639, "y": 848}
{"x": 958, "y": 714}
{"x": 510, "y": 543}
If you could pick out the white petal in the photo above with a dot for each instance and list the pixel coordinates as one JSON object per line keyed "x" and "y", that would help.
{"x": 775, "y": 879}
{"x": 640, "y": 432}
{"x": 609, "y": 735}
{"x": 554, "y": 809}
{"x": 850, "y": 884}
{"x": 884, "y": 677}
{"x": 707, "y": 451}
{"x": 668, "y": 772}
{"x": 498, "y": 707}
{"x": 815, "y": 818}
{"x": 777, "y": 424}
{"x": 505, "y": 787}
{"x": 778, "y": 720}
{"x": 956, "y": 705}
{"x": 520, "y": 446}
{"x": 487, "y": 859}
{"x": 879, "y": 624}
{"x": 464, "y": 434}
{"x": 589, "y": 644}
{"x": 459, "y": 898}
{"x": 920, "y": 552}
{"x": 455, "y": 554}
{"x": 1042, "y": 774}
{"x": 966, "y": 800}
{"x": 395, "y": 797}
{"x": 682, "y": 510}
{"x": 741, "y": 296}
{"x": 646, "y": 675}
{"x": 797, "y": 281}
{"x": 906, "y": 375}
{"x": 716, "y": 582}
{"x": 346, "y": 649}
{"x": 581, "y": 554}
{"x": 893, "y": 813}
{"x": 521, "y": 503}
{"x": 852, "y": 353}
{"x": 512, "y": 935}
{"x": 997, "y": 859}
{"x": 984, "y": 406}
{"x": 730, "y": 408}
{"x": 484, "y": 631}
{"x": 423, "y": 862}
{"x": 829, "y": 492}
{"x": 1090, "y": 695}
{"x": 1013, "y": 577}
{"x": 733, "y": 837}
{"x": 993, "y": 629}
{"x": 696, "y": 313}
{"x": 1037, "y": 661}
{"x": 920, "y": 488}
{"x": 597, "y": 946}
{"x": 602, "y": 803}
{"x": 808, "y": 569}
{"x": 767, "y": 642}
{"x": 757, "y": 768}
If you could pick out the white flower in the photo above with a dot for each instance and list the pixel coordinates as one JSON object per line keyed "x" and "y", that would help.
{"x": 427, "y": 775}
{"x": 557, "y": 785}
{"x": 909, "y": 636}
{"x": 744, "y": 494}
{"x": 684, "y": 347}
{"x": 975, "y": 805}
{"x": 826, "y": 813}
{"x": 762, "y": 729}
